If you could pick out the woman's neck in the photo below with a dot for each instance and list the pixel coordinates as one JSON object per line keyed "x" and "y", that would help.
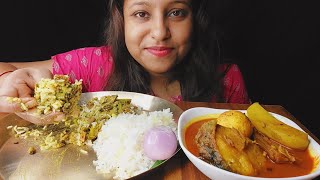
{"x": 162, "y": 88}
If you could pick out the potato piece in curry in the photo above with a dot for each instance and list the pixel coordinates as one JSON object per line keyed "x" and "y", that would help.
{"x": 236, "y": 119}
{"x": 228, "y": 149}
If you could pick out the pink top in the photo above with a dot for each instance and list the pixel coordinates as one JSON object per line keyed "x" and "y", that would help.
{"x": 94, "y": 66}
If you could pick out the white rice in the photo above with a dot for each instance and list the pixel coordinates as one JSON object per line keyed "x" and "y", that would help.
{"x": 119, "y": 146}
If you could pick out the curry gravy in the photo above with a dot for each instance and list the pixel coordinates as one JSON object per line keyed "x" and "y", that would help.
{"x": 304, "y": 165}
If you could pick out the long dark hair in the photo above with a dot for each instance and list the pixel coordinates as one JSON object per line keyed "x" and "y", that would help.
{"x": 198, "y": 74}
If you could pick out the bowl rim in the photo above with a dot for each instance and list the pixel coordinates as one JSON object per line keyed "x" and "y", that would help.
{"x": 181, "y": 128}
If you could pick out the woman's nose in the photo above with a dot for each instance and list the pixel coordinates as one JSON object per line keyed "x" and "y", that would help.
{"x": 160, "y": 29}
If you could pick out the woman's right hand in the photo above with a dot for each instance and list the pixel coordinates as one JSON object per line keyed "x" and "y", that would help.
{"x": 20, "y": 83}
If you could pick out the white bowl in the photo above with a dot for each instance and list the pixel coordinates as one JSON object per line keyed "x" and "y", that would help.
{"x": 216, "y": 173}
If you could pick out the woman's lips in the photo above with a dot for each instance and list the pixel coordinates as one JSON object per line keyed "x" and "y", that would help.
{"x": 159, "y": 51}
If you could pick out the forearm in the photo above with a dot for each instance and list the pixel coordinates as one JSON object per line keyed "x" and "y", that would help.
{"x": 46, "y": 64}
{"x": 5, "y": 69}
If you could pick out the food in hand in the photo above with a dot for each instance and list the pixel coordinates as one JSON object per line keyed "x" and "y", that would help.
{"x": 278, "y": 131}
{"x": 159, "y": 143}
{"x": 57, "y": 95}
{"x": 23, "y": 106}
{"x": 236, "y": 119}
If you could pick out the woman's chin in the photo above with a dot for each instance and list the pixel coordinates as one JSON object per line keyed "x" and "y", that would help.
{"x": 159, "y": 68}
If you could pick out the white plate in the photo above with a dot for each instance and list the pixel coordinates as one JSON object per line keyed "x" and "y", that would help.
{"x": 66, "y": 162}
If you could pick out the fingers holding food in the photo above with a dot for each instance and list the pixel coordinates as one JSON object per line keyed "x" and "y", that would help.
{"x": 14, "y": 104}
{"x": 48, "y": 101}
{"x": 20, "y": 83}
{"x": 17, "y": 89}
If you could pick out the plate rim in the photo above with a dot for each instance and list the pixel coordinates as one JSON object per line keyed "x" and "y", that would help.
{"x": 99, "y": 94}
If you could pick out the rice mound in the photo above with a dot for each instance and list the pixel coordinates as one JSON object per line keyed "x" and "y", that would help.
{"x": 119, "y": 145}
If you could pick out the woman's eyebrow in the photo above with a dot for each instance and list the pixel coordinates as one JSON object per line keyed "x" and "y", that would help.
{"x": 187, "y": 3}
{"x": 140, "y": 3}
{"x": 146, "y": 3}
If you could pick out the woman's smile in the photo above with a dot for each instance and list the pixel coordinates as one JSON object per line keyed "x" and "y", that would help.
{"x": 159, "y": 51}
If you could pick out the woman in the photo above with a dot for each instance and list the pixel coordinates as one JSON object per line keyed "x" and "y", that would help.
{"x": 164, "y": 48}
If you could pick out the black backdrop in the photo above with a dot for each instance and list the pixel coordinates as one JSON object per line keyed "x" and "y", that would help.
{"x": 275, "y": 43}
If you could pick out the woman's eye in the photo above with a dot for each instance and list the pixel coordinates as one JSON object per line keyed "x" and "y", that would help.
{"x": 141, "y": 14}
{"x": 177, "y": 13}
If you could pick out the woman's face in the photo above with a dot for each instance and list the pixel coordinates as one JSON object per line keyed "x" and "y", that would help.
{"x": 158, "y": 32}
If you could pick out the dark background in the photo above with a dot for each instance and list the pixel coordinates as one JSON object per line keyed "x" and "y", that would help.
{"x": 275, "y": 43}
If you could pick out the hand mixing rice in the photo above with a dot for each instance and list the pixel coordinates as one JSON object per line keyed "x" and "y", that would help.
{"x": 119, "y": 146}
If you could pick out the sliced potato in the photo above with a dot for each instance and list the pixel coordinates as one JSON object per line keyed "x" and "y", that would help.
{"x": 268, "y": 125}
{"x": 236, "y": 119}
{"x": 256, "y": 156}
{"x": 241, "y": 154}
